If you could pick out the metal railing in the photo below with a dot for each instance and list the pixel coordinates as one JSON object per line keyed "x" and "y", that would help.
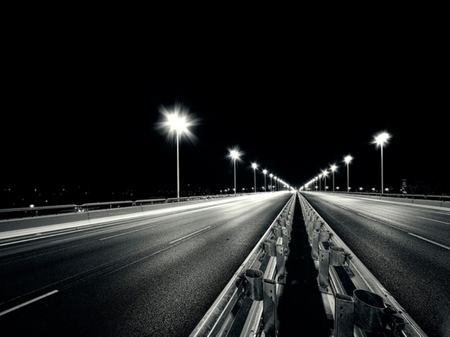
{"x": 247, "y": 306}
{"x": 359, "y": 303}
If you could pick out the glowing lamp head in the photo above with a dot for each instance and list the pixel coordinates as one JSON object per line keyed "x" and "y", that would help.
{"x": 235, "y": 154}
{"x": 381, "y": 139}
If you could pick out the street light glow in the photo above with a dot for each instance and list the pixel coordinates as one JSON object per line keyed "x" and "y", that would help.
{"x": 381, "y": 138}
{"x": 177, "y": 121}
{"x": 235, "y": 154}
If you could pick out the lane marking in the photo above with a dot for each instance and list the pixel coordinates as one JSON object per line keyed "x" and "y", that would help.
{"x": 447, "y": 223}
{"x": 28, "y": 302}
{"x": 430, "y": 241}
{"x": 136, "y": 230}
{"x": 189, "y": 235}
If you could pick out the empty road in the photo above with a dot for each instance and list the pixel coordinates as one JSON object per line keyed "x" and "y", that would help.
{"x": 151, "y": 276}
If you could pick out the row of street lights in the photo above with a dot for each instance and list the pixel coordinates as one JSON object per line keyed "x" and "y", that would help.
{"x": 380, "y": 140}
{"x": 235, "y": 155}
{"x": 177, "y": 121}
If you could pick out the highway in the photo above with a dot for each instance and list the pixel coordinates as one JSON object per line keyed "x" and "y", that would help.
{"x": 406, "y": 247}
{"x": 151, "y": 276}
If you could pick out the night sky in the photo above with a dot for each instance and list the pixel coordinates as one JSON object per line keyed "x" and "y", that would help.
{"x": 84, "y": 118}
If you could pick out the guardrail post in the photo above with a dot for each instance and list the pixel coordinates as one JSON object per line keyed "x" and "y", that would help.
{"x": 370, "y": 314}
{"x": 337, "y": 256}
{"x": 324, "y": 264}
{"x": 254, "y": 288}
{"x": 270, "y": 305}
{"x": 344, "y": 316}
{"x": 280, "y": 261}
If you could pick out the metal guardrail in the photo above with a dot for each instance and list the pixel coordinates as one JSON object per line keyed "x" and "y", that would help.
{"x": 434, "y": 200}
{"x": 33, "y": 211}
{"x": 359, "y": 304}
{"x": 247, "y": 306}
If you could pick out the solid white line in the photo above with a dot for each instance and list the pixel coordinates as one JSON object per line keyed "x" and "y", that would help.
{"x": 186, "y": 236}
{"x": 447, "y": 223}
{"x": 430, "y": 241}
{"x": 28, "y": 302}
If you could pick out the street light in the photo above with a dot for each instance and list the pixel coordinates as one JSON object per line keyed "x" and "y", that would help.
{"x": 254, "y": 173}
{"x": 381, "y": 139}
{"x": 271, "y": 183}
{"x": 265, "y": 173}
{"x": 325, "y": 174}
{"x": 333, "y": 168}
{"x": 348, "y": 159}
{"x": 177, "y": 121}
{"x": 235, "y": 155}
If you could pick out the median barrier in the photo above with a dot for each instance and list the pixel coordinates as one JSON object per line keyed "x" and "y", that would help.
{"x": 247, "y": 306}
{"x": 353, "y": 297}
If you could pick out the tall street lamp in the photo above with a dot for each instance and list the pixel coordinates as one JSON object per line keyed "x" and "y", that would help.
{"x": 254, "y": 174}
{"x": 177, "y": 121}
{"x": 235, "y": 155}
{"x": 381, "y": 139}
{"x": 271, "y": 183}
{"x": 325, "y": 174}
{"x": 333, "y": 168}
{"x": 348, "y": 159}
{"x": 265, "y": 173}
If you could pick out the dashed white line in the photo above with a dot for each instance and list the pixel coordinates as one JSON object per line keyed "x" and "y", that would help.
{"x": 430, "y": 241}
{"x": 28, "y": 302}
{"x": 447, "y": 223}
{"x": 189, "y": 235}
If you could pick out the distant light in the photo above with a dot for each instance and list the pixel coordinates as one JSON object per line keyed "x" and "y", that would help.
{"x": 31, "y": 206}
{"x": 348, "y": 159}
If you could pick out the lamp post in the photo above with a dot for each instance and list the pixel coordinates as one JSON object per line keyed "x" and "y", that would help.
{"x": 265, "y": 173}
{"x": 234, "y": 155}
{"x": 271, "y": 183}
{"x": 254, "y": 174}
{"x": 325, "y": 174}
{"x": 381, "y": 139}
{"x": 348, "y": 159}
{"x": 177, "y": 121}
{"x": 333, "y": 168}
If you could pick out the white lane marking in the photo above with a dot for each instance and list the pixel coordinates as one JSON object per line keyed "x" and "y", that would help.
{"x": 189, "y": 235}
{"x": 430, "y": 241}
{"x": 447, "y": 223}
{"x": 136, "y": 230}
{"x": 28, "y": 302}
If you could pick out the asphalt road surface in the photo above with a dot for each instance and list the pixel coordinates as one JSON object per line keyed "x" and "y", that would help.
{"x": 152, "y": 276}
{"x": 406, "y": 247}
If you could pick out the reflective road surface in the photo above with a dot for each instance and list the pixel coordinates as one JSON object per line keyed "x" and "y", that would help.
{"x": 152, "y": 276}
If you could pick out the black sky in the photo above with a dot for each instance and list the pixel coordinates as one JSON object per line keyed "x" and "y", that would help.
{"x": 85, "y": 114}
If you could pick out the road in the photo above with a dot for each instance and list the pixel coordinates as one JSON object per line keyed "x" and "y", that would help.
{"x": 152, "y": 276}
{"x": 406, "y": 247}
